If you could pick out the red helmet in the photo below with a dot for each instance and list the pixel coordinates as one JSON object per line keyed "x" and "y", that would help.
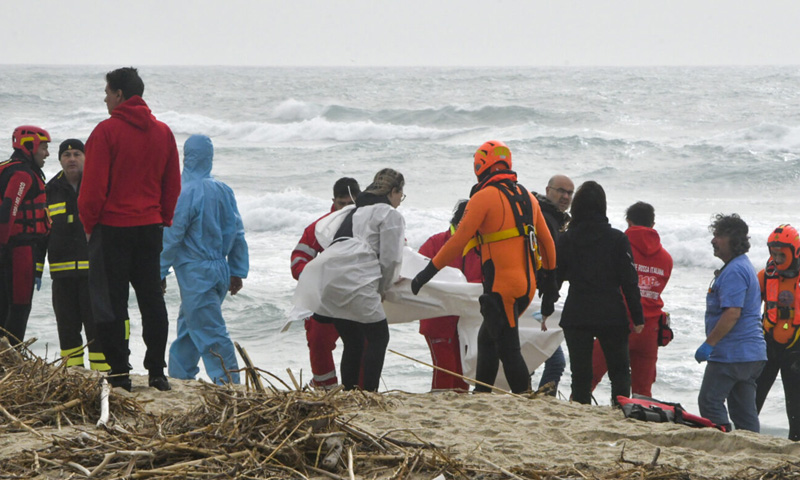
{"x": 786, "y": 238}
{"x": 29, "y": 133}
{"x": 489, "y": 154}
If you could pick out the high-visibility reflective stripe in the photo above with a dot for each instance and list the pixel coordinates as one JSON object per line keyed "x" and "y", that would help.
{"x": 127, "y": 329}
{"x": 95, "y": 356}
{"x": 39, "y": 267}
{"x": 327, "y": 376}
{"x": 302, "y": 247}
{"x": 64, "y": 266}
{"x": 70, "y": 218}
{"x": 97, "y": 361}
{"x": 57, "y": 208}
{"x": 61, "y": 266}
{"x": 74, "y": 356}
{"x": 298, "y": 260}
{"x": 100, "y": 366}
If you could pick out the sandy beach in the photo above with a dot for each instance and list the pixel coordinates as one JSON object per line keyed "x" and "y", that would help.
{"x": 500, "y": 430}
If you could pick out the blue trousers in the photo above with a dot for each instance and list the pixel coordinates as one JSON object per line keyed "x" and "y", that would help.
{"x": 202, "y": 334}
{"x": 553, "y": 369}
{"x": 736, "y": 384}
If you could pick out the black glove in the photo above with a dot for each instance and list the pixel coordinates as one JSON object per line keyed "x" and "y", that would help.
{"x": 547, "y": 283}
{"x": 548, "y": 304}
{"x": 548, "y": 290}
{"x": 423, "y": 277}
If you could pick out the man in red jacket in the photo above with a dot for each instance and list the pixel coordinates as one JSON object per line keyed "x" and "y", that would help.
{"x": 322, "y": 337}
{"x": 131, "y": 183}
{"x": 442, "y": 333}
{"x": 654, "y": 265}
{"x": 24, "y": 226}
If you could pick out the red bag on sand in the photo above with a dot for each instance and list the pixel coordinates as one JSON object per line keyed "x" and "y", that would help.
{"x": 651, "y": 410}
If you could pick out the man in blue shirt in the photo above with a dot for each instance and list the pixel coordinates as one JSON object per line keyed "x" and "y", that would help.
{"x": 734, "y": 348}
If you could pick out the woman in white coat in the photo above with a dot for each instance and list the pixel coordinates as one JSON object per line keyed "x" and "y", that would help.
{"x": 353, "y": 274}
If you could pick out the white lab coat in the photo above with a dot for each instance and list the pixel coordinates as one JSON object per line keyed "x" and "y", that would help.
{"x": 349, "y": 277}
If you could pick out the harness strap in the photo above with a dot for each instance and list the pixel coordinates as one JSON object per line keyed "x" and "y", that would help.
{"x": 479, "y": 239}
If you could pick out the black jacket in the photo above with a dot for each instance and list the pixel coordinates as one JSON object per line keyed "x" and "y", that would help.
{"x": 597, "y": 262}
{"x": 555, "y": 218}
{"x": 67, "y": 249}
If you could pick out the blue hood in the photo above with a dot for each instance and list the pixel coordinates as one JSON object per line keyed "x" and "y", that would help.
{"x": 198, "y": 152}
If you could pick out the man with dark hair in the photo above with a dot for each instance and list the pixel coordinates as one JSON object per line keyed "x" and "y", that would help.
{"x": 68, "y": 255}
{"x": 131, "y": 183}
{"x": 322, "y": 337}
{"x": 24, "y": 226}
{"x": 654, "y": 266}
{"x": 734, "y": 348}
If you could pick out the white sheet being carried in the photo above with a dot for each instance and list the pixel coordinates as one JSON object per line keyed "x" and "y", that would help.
{"x": 449, "y": 293}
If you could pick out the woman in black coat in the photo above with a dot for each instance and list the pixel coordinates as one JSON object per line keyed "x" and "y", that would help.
{"x": 597, "y": 262}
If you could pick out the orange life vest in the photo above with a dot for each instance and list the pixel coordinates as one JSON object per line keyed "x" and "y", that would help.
{"x": 781, "y": 306}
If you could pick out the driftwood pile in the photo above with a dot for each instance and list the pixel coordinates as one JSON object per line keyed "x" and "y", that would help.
{"x": 236, "y": 433}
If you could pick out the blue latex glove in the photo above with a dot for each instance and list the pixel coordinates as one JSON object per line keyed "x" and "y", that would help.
{"x": 38, "y": 282}
{"x": 703, "y": 352}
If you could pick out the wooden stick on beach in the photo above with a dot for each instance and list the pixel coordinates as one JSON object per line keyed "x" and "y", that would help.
{"x": 476, "y": 382}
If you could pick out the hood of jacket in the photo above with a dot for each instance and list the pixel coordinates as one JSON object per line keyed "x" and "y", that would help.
{"x": 135, "y": 112}
{"x": 589, "y": 231}
{"x": 198, "y": 153}
{"x": 644, "y": 239}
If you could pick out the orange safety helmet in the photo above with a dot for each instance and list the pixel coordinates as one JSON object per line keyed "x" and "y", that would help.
{"x": 29, "y": 133}
{"x": 489, "y": 154}
{"x": 786, "y": 238}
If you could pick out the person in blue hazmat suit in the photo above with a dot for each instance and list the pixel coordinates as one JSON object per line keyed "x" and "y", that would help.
{"x": 206, "y": 247}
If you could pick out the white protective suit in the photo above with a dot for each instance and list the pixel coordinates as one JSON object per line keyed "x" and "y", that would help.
{"x": 349, "y": 277}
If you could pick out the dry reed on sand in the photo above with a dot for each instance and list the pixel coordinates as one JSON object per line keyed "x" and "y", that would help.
{"x": 239, "y": 433}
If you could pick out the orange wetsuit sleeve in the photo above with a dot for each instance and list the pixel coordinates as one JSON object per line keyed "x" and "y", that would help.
{"x": 547, "y": 247}
{"x": 762, "y": 281}
{"x": 470, "y": 223}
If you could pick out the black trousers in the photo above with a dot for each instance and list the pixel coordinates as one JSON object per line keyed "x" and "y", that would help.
{"x": 120, "y": 257}
{"x": 17, "y": 271}
{"x": 614, "y": 342}
{"x": 73, "y": 310}
{"x": 355, "y": 352}
{"x": 787, "y": 362}
{"x": 498, "y": 342}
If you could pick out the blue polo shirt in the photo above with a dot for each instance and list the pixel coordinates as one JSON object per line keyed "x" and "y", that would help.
{"x": 737, "y": 286}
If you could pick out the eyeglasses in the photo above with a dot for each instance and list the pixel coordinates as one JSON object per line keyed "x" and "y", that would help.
{"x": 403, "y": 198}
{"x": 561, "y": 191}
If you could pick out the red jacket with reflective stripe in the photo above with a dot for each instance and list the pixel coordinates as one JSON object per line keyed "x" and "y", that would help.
{"x": 307, "y": 248}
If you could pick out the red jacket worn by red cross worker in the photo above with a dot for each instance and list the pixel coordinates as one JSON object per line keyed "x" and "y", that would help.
{"x": 132, "y": 172}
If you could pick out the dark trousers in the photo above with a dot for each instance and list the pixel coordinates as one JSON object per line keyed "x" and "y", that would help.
{"x": 614, "y": 342}
{"x": 355, "y": 352}
{"x": 73, "y": 310}
{"x": 17, "y": 271}
{"x": 498, "y": 342}
{"x": 787, "y": 362}
{"x": 119, "y": 257}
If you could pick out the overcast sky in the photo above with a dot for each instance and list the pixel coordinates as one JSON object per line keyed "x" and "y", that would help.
{"x": 401, "y": 32}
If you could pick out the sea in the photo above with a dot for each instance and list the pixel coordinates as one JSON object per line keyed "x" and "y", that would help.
{"x": 693, "y": 142}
